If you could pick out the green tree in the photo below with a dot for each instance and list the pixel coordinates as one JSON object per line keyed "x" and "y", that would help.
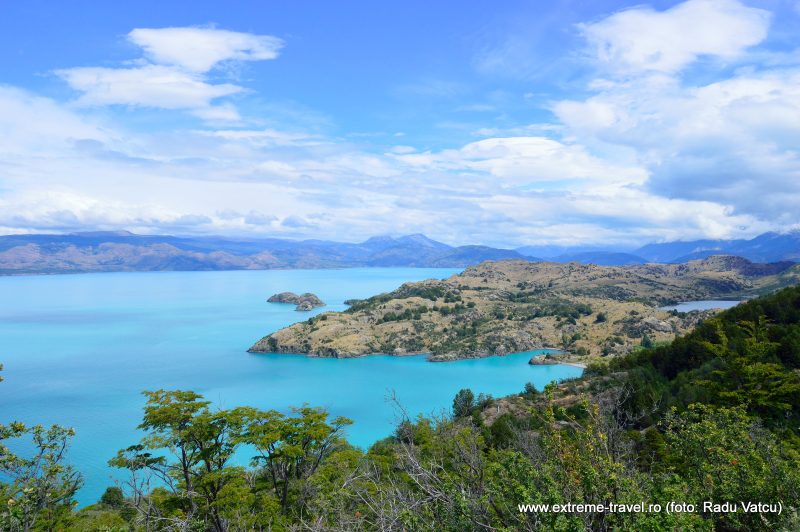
{"x": 42, "y": 488}
{"x": 529, "y": 390}
{"x": 463, "y": 403}
{"x": 291, "y": 448}
{"x": 36, "y": 491}
{"x": 187, "y": 448}
{"x": 113, "y": 497}
{"x": 646, "y": 342}
{"x": 789, "y": 350}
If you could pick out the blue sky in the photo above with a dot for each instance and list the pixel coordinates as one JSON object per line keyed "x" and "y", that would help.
{"x": 519, "y": 123}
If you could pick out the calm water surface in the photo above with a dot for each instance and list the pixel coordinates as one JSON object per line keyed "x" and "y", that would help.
{"x": 79, "y": 349}
{"x": 689, "y": 306}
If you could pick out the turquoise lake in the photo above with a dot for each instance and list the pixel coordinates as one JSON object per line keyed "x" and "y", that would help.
{"x": 79, "y": 349}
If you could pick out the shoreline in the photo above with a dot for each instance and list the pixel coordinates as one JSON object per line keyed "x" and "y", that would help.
{"x": 433, "y": 360}
{"x": 574, "y": 364}
{"x": 542, "y": 360}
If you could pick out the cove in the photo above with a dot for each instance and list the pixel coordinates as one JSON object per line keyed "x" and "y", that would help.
{"x": 79, "y": 349}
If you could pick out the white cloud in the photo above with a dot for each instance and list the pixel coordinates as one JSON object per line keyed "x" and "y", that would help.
{"x": 33, "y": 125}
{"x": 616, "y": 214}
{"x": 225, "y": 113}
{"x": 148, "y": 86}
{"x": 200, "y": 49}
{"x": 60, "y": 209}
{"x": 176, "y": 75}
{"x": 402, "y": 150}
{"x": 526, "y": 160}
{"x": 642, "y": 39}
{"x": 731, "y": 141}
{"x": 265, "y": 137}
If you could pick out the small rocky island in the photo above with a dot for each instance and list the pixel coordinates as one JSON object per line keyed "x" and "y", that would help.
{"x": 304, "y": 302}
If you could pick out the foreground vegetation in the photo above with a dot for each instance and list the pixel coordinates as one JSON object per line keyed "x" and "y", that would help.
{"x": 710, "y": 417}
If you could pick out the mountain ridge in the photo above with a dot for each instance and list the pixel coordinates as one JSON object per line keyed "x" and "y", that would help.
{"x": 122, "y": 251}
{"x": 108, "y": 251}
{"x": 766, "y": 247}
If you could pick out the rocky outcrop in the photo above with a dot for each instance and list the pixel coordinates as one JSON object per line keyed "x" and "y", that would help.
{"x": 543, "y": 360}
{"x": 655, "y": 325}
{"x": 304, "y": 302}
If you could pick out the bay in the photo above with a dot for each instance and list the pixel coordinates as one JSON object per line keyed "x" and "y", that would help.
{"x": 79, "y": 349}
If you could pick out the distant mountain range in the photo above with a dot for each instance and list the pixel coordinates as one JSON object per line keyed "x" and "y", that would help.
{"x": 603, "y": 258}
{"x": 768, "y": 247}
{"x": 124, "y": 251}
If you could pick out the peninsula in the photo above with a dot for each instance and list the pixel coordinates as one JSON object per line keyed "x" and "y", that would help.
{"x": 502, "y": 307}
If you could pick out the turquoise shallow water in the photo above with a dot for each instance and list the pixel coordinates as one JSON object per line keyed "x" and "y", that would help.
{"x": 79, "y": 349}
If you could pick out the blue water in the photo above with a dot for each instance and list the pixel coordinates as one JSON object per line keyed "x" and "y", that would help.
{"x": 79, "y": 349}
{"x": 689, "y": 306}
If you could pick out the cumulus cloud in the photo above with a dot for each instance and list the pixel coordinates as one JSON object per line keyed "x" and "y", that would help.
{"x": 60, "y": 209}
{"x": 174, "y": 71}
{"x": 731, "y": 141}
{"x": 147, "y": 86}
{"x": 642, "y": 38}
{"x": 63, "y": 210}
{"x": 615, "y": 214}
{"x": 526, "y": 160}
{"x": 201, "y": 49}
